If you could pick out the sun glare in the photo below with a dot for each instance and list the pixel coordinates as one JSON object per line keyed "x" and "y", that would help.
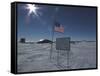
{"x": 32, "y": 9}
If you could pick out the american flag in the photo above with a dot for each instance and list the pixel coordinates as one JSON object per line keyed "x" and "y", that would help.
{"x": 58, "y": 27}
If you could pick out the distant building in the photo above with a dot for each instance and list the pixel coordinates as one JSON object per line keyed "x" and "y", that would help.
{"x": 22, "y": 40}
{"x": 44, "y": 41}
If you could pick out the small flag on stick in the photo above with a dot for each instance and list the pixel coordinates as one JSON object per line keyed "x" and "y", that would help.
{"x": 58, "y": 27}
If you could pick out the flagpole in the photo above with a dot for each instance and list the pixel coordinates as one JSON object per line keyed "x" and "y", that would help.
{"x": 52, "y": 42}
{"x": 51, "y": 50}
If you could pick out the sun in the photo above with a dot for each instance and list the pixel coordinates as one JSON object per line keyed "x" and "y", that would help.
{"x": 32, "y": 9}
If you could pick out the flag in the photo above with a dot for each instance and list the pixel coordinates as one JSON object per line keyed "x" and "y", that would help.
{"x": 58, "y": 27}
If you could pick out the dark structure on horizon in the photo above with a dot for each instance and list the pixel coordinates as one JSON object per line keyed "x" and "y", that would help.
{"x": 45, "y": 41}
{"x": 22, "y": 40}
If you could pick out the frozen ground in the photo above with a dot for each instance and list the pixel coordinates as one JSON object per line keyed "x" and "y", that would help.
{"x": 36, "y": 57}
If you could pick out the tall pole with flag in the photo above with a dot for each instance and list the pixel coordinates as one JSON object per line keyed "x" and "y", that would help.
{"x": 52, "y": 42}
{"x": 57, "y": 27}
{"x": 52, "y": 32}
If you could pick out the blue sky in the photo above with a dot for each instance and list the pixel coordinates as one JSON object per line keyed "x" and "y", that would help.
{"x": 79, "y": 23}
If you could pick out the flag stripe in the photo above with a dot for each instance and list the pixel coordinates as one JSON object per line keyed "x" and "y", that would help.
{"x": 58, "y": 28}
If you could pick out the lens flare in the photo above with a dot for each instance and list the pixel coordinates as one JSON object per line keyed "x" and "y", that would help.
{"x": 32, "y": 9}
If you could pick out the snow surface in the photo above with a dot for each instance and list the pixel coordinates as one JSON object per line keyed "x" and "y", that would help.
{"x": 36, "y": 57}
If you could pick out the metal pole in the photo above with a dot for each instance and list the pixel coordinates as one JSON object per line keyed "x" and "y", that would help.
{"x": 51, "y": 50}
{"x": 58, "y": 54}
{"x": 68, "y": 59}
{"x": 52, "y": 42}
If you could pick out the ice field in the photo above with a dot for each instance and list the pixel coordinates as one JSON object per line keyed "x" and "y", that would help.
{"x": 36, "y": 57}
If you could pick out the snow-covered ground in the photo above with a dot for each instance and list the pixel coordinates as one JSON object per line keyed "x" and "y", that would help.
{"x": 36, "y": 57}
